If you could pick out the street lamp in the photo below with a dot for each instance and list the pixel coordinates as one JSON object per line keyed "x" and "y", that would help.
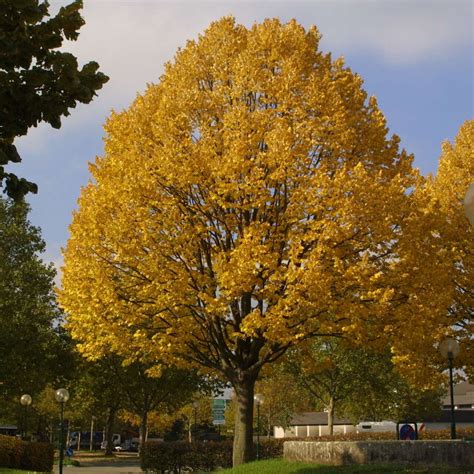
{"x": 469, "y": 204}
{"x": 258, "y": 397}
{"x": 25, "y": 400}
{"x": 449, "y": 348}
{"x": 62, "y": 396}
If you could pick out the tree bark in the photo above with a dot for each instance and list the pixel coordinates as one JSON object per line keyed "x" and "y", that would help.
{"x": 109, "y": 428}
{"x": 143, "y": 429}
{"x": 243, "y": 429}
{"x": 331, "y": 416}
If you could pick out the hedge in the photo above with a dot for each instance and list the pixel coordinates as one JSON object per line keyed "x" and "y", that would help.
{"x": 389, "y": 435}
{"x": 18, "y": 454}
{"x": 176, "y": 456}
{"x": 207, "y": 456}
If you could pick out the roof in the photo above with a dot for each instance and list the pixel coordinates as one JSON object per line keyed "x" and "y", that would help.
{"x": 460, "y": 416}
{"x": 311, "y": 418}
{"x": 316, "y": 418}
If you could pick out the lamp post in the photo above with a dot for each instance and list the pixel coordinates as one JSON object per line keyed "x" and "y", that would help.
{"x": 62, "y": 396}
{"x": 25, "y": 401}
{"x": 469, "y": 204}
{"x": 449, "y": 348}
{"x": 258, "y": 401}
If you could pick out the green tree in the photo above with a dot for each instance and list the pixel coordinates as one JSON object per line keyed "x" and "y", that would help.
{"x": 356, "y": 382}
{"x": 95, "y": 392}
{"x": 325, "y": 371}
{"x": 167, "y": 391}
{"x": 33, "y": 348}
{"x": 38, "y": 83}
{"x": 282, "y": 398}
{"x": 107, "y": 385}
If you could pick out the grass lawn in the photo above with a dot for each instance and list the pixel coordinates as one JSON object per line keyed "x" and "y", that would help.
{"x": 277, "y": 466}
{"x": 16, "y": 471}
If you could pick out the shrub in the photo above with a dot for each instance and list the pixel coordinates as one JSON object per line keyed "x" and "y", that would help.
{"x": 176, "y": 456}
{"x": 353, "y": 436}
{"x": 18, "y": 454}
{"x": 446, "y": 434}
{"x": 199, "y": 455}
{"x": 271, "y": 448}
{"x": 389, "y": 435}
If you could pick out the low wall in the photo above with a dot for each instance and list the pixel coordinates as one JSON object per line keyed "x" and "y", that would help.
{"x": 336, "y": 453}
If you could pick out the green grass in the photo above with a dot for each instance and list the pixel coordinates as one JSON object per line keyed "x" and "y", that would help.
{"x": 280, "y": 466}
{"x": 5, "y": 470}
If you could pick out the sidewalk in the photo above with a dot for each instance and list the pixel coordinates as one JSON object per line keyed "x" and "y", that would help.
{"x": 92, "y": 464}
{"x": 113, "y": 468}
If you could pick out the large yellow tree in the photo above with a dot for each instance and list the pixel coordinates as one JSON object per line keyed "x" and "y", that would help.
{"x": 250, "y": 200}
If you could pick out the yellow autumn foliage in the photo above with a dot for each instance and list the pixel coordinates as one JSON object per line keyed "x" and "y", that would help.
{"x": 454, "y": 176}
{"x": 248, "y": 201}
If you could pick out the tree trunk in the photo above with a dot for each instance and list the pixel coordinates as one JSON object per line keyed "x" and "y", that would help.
{"x": 143, "y": 429}
{"x": 109, "y": 447}
{"x": 243, "y": 430}
{"x": 331, "y": 416}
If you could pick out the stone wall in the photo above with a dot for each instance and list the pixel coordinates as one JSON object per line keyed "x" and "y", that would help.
{"x": 336, "y": 453}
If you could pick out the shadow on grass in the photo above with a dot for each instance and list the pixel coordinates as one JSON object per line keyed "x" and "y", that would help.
{"x": 379, "y": 469}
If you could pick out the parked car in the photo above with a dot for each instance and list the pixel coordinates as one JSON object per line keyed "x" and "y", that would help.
{"x": 116, "y": 440}
{"x": 130, "y": 445}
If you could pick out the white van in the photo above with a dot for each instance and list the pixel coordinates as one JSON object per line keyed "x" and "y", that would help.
{"x": 376, "y": 427}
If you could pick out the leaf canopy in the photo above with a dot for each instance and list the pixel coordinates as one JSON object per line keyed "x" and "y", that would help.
{"x": 38, "y": 83}
{"x": 248, "y": 201}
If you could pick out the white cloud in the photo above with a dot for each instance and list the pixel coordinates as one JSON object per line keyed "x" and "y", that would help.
{"x": 131, "y": 40}
{"x": 401, "y": 32}
{"x": 54, "y": 255}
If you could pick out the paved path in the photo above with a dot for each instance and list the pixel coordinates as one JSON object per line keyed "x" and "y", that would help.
{"x": 90, "y": 465}
{"x": 102, "y": 468}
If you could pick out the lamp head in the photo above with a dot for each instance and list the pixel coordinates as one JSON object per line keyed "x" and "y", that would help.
{"x": 449, "y": 348}
{"x": 259, "y": 398}
{"x": 26, "y": 400}
{"x": 62, "y": 395}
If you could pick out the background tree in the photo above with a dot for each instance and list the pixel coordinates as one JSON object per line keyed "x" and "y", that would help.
{"x": 374, "y": 389}
{"x": 47, "y": 411}
{"x": 282, "y": 398}
{"x": 361, "y": 384}
{"x": 96, "y": 392}
{"x": 167, "y": 390}
{"x": 38, "y": 83}
{"x": 327, "y": 372}
{"x": 448, "y": 188}
{"x": 33, "y": 348}
{"x": 249, "y": 201}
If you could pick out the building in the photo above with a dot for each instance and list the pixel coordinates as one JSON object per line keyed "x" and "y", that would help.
{"x": 312, "y": 424}
{"x": 463, "y": 397}
{"x": 316, "y": 423}
{"x": 464, "y": 409}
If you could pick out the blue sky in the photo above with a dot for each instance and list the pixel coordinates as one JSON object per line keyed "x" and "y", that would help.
{"x": 415, "y": 56}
